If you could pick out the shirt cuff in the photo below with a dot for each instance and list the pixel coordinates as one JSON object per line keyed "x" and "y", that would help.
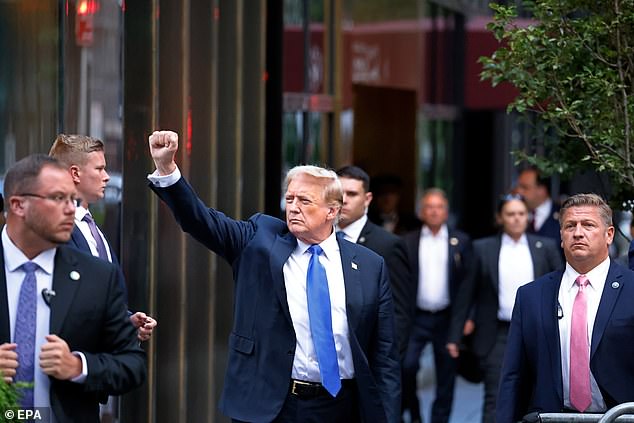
{"x": 84, "y": 368}
{"x": 164, "y": 181}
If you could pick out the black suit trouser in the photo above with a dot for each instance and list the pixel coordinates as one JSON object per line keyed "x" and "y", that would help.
{"x": 434, "y": 328}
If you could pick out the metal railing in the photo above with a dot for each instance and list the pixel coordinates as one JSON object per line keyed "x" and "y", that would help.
{"x": 622, "y": 413}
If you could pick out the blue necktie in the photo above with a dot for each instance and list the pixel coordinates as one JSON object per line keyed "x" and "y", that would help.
{"x": 101, "y": 247}
{"x": 24, "y": 336}
{"x": 321, "y": 322}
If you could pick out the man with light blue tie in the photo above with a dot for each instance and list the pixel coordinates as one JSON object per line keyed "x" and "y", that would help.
{"x": 64, "y": 329}
{"x": 313, "y": 332}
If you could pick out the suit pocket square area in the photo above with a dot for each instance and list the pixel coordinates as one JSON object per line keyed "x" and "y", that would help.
{"x": 241, "y": 343}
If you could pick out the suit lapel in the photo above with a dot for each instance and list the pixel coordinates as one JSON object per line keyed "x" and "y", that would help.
{"x": 611, "y": 291}
{"x": 352, "y": 281}
{"x": 365, "y": 233}
{"x": 280, "y": 251}
{"x": 492, "y": 262}
{"x": 66, "y": 281}
{"x": 536, "y": 249}
{"x": 5, "y": 335}
{"x": 550, "y": 323}
{"x": 79, "y": 240}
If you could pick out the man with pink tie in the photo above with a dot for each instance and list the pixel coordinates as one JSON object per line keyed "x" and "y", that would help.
{"x": 571, "y": 338}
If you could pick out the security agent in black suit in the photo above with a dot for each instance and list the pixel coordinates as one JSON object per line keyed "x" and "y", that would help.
{"x": 497, "y": 268}
{"x": 544, "y": 213}
{"x": 84, "y": 345}
{"x": 438, "y": 255}
{"x": 356, "y": 227}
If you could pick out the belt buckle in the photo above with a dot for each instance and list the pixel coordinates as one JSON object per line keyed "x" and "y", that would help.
{"x": 296, "y": 383}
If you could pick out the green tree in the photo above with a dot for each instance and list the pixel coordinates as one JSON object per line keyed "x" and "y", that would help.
{"x": 573, "y": 66}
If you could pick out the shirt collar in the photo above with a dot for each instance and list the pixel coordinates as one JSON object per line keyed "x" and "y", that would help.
{"x": 329, "y": 245}
{"x": 543, "y": 210}
{"x": 353, "y": 230}
{"x": 14, "y": 257}
{"x": 596, "y": 276}
{"x": 442, "y": 233}
{"x": 80, "y": 212}
{"x": 507, "y": 240}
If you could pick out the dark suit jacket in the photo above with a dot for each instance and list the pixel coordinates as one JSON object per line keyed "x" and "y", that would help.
{"x": 262, "y": 342}
{"x": 480, "y": 288}
{"x": 78, "y": 241}
{"x": 531, "y": 374}
{"x": 392, "y": 249}
{"x": 90, "y": 315}
{"x": 550, "y": 228}
{"x": 459, "y": 245}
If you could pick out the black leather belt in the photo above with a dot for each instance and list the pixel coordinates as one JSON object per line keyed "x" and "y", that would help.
{"x": 305, "y": 389}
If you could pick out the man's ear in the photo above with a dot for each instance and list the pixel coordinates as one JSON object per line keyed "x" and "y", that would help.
{"x": 75, "y": 173}
{"x": 333, "y": 212}
{"x": 17, "y": 206}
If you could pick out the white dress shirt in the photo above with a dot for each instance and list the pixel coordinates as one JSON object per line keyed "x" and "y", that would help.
{"x": 567, "y": 292}
{"x": 541, "y": 214}
{"x": 305, "y": 365}
{"x": 515, "y": 268}
{"x": 80, "y": 212}
{"x": 353, "y": 231}
{"x": 433, "y": 269}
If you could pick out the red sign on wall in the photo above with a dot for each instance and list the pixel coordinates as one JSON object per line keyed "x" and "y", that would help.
{"x": 84, "y": 22}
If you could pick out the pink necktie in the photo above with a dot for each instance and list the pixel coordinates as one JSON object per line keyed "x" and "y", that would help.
{"x": 580, "y": 395}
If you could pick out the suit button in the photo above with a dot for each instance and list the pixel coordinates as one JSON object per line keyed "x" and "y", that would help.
{"x": 290, "y": 352}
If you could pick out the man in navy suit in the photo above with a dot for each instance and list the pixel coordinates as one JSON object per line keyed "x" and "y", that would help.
{"x": 544, "y": 218}
{"x": 579, "y": 318}
{"x": 275, "y": 368}
{"x": 85, "y": 159}
{"x": 438, "y": 255}
{"x": 356, "y": 227}
{"x": 500, "y": 264}
{"x": 63, "y": 321}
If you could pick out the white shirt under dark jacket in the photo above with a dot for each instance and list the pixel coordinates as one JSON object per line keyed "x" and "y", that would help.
{"x": 515, "y": 268}
{"x": 433, "y": 270}
{"x": 567, "y": 292}
{"x": 305, "y": 366}
{"x": 80, "y": 212}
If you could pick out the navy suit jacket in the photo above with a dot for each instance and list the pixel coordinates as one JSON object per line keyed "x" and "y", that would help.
{"x": 90, "y": 315}
{"x": 551, "y": 228}
{"x": 531, "y": 375}
{"x": 392, "y": 248}
{"x": 459, "y": 246}
{"x": 480, "y": 288}
{"x": 262, "y": 341}
{"x": 78, "y": 241}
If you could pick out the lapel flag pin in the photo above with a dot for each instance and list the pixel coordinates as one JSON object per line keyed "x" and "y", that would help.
{"x": 354, "y": 265}
{"x": 74, "y": 275}
{"x": 454, "y": 241}
{"x": 615, "y": 285}
{"x": 538, "y": 244}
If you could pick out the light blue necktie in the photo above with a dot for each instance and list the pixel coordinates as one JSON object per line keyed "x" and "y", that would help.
{"x": 24, "y": 336}
{"x": 321, "y": 322}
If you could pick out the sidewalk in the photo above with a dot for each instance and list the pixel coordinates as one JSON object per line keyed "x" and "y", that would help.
{"x": 467, "y": 402}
